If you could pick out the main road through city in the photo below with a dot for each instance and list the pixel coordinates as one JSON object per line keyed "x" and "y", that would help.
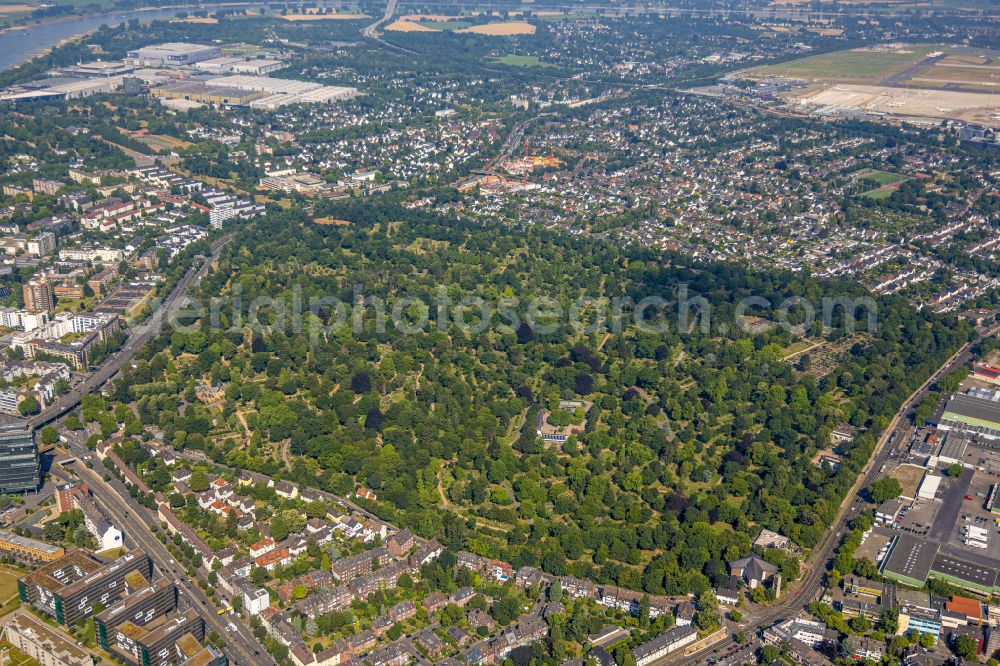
{"x": 133, "y": 519}
{"x": 138, "y": 337}
{"x": 242, "y": 647}
{"x": 809, "y": 586}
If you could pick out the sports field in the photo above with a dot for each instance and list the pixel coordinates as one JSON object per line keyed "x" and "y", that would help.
{"x": 880, "y": 178}
{"x": 879, "y": 194}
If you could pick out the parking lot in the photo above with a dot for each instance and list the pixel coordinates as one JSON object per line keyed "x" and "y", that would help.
{"x": 878, "y": 539}
{"x": 973, "y": 513}
{"x": 917, "y": 518}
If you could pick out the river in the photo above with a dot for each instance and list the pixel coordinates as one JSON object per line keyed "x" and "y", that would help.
{"x": 20, "y": 45}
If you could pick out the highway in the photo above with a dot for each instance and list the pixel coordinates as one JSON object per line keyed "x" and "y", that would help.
{"x": 139, "y": 336}
{"x": 808, "y": 587}
{"x": 372, "y": 31}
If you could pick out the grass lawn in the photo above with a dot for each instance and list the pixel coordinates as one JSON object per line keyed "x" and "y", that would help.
{"x": 523, "y": 61}
{"x": 15, "y": 657}
{"x": 853, "y": 66}
{"x": 8, "y": 583}
{"x": 8, "y": 590}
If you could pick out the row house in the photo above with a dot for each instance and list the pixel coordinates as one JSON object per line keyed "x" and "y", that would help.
{"x": 403, "y": 611}
{"x": 425, "y": 554}
{"x": 496, "y": 569}
{"x": 620, "y": 598}
{"x": 334, "y": 655}
{"x": 498, "y": 648}
{"x": 385, "y": 578}
{"x": 434, "y": 602}
{"x": 361, "y": 642}
{"x": 297, "y": 545}
{"x": 358, "y": 565}
{"x": 274, "y": 559}
{"x": 373, "y": 529}
{"x": 400, "y": 543}
{"x": 278, "y": 624}
{"x": 286, "y": 489}
{"x": 393, "y": 654}
{"x": 461, "y": 596}
{"x": 352, "y": 529}
{"x": 326, "y": 600}
{"x": 228, "y": 580}
{"x": 317, "y": 579}
{"x": 578, "y": 588}
{"x": 175, "y": 525}
{"x": 429, "y": 642}
{"x": 382, "y": 624}
{"x": 263, "y": 546}
{"x": 530, "y": 577}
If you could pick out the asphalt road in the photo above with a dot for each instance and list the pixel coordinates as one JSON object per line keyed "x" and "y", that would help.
{"x": 142, "y": 334}
{"x": 372, "y": 31}
{"x": 952, "y": 503}
{"x": 242, "y": 647}
{"x": 808, "y": 587}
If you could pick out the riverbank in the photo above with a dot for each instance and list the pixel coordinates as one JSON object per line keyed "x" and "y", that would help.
{"x": 23, "y": 43}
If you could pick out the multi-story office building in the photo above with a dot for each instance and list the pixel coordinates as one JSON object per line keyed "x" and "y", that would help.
{"x": 68, "y": 588}
{"x": 164, "y": 644}
{"x": 18, "y": 458}
{"x": 141, "y": 607}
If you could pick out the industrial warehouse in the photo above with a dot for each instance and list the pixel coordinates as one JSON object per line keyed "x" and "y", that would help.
{"x": 259, "y": 92}
{"x": 972, "y": 414}
{"x": 182, "y": 76}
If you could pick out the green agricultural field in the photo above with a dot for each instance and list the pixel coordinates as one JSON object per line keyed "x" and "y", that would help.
{"x": 446, "y": 25}
{"x": 855, "y": 66}
{"x": 523, "y": 61}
